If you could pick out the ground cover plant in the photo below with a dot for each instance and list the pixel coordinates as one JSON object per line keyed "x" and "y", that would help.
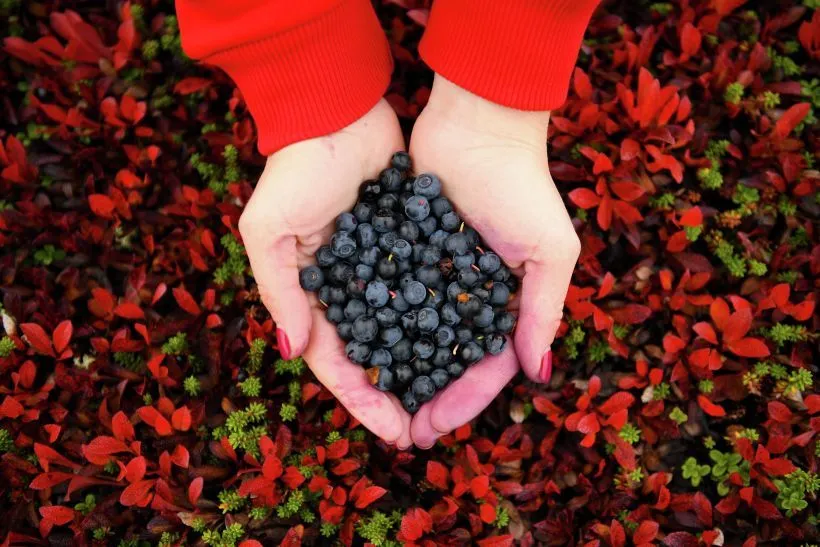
{"x": 142, "y": 399}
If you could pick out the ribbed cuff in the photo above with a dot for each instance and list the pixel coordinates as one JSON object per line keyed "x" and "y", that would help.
{"x": 313, "y": 79}
{"x": 518, "y": 54}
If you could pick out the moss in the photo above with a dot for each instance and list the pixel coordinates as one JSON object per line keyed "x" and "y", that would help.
{"x": 7, "y": 345}
{"x": 377, "y": 528}
{"x": 288, "y": 412}
{"x": 6, "y": 441}
{"x": 48, "y": 255}
{"x": 192, "y": 386}
{"x": 294, "y": 367}
{"x": 678, "y": 416}
{"x": 176, "y": 345}
{"x": 630, "y": 433}
{"x": 781, "y": 334}
{"x": 734, "y": 93}
{"x": 231, "y": 501}
{"x": 251, "y": 387}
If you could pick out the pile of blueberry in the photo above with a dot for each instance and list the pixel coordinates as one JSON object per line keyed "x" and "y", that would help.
{"x": 411, "y": 288}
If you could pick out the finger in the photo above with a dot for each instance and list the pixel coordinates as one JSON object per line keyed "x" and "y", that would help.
{"x": 404, "y": 441}
{"x": 543, "y": 290}
{"x": 275, "y": 267}
{"x": 349, "y": 384}
{"x": 466, "y": 398}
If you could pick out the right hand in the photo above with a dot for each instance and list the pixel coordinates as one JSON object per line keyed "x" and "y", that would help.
{"x": 292, "y": 212}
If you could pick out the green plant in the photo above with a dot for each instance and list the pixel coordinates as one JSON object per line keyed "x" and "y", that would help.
{"x": 87, "y": 505}
{"x": 573, "y": 339}
{"x": 781, "y": 334}
{"x": 251, "y": 387}
{"x": 693, "y": 232}
{"x": 502, "y": 517}
{"x": 100, "y": 533}
{"x": 192, "y": 386}
{"x": 749, "y": 433}
{"x": 706, "y": 386}
{"x": 294, "y": 367}
{"x": 678, "y": 416}
{"x": 770, "y": 99}
{"x": 757, "y": 268}
{"x": 599, "y": 351}
{"x": 244, "y": 428}
{"x": 332, "y": 437}
{"x": 793, "y": 490}
{"x": 661, "y": 391}
{"x": 259, "y": 513}
{"x": 48, "y": 254}
{"x": 630, "y": 433}
{"x": 695, "y": 472}
{"x": 736, "y": 264}
{"x": 377, "y": 527}
{"x": 131, "y": 361}
{"x": 799, "y": 381}
{"x": 228, "y": 538}
{"x": 176, "y": 345}
{"x": 6, "y": 442}
{"x": 288, "y": 412}
{"x": 150, "y": 50}
{"x": 663, "y": 201}
{"x": 237, "y": 263}
{"x": 783, "y": 63}
{"x": 724, "y": 465}
{"x": 7, "y": 345}
{"x": 292, "y": 505}
{"x": 328, "y": 530}
{"x": 231, "y": 501}
{"x": 168, "y": 539}
{"x": 734, "y": 93}
{"x": 255, "y": 354}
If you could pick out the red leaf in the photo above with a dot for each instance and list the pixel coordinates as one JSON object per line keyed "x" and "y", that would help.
{"x": 187, "y": 86}
{"x": 414, "y": 523}
{"x": 589, "y": 424}
{"x": 272, "y": 468}
{"x": 250, "y": 543}
{"x": 646, "y": 532}
{"x": 709, "y": 407}
{"x": 487, "y": 513}
{"x": 631, "y": 314}
{"x": 138, "y": 493}
{"x": 790, "y": 119}
{"x": 497, "y": 541}
{"x": 57, "y": 514}
{"x": 779, "y": 412}
{"x": 47, "y": 455}
{"x": 765, "y": 509}
{"x": 690, "y": 39}
{"x": 619, "y": 401}
{"x": 705, "y": 331}
{"x": 338, "y": 449}
{"x": 584, "y": 198}
{"x": 100, "y": 448}
{"x": 437, "y": 474}
{"x": 129, "y": 310}
{"x": 195, "y": 489}
{"x": 692, "y": 217}
{"x": 152, "y": 417}
{"x": 62, "y": 335}
{"x": 617, "y": 535}
{"x": 37, "y": 337}
{"x": 749, "y": 347}
{"x": 181, "y": 457}
{"x": 135, "y": 470}
{"x": 581, "y": 84}
{"x": 629, "y": 149}
{"x": 703, "y": 509}
{"x": 181, "y": 419}
{"x": 346, "y": 466}
{"x": 186, "y": 301}
{"x": 737, "y": 325}
{"x": 602, "y": 164}
{"x": 479, "y": 486}
{"x": 158, "y": 293}
{"x": 680, "y": 539}
{"x": 627, "y": 191}
{"x": 50, "y": 479}
{"x": 370, "y": 494}
{"x": 101, "y": 205}
{"x": 11, "y": 408}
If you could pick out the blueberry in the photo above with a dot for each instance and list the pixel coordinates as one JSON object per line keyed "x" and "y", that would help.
{"x": 387, "y": 267}
{"x": 472, "y": 237}
{"x": 355, "y": 287}
{"x": 467, "y": 305}
{"x": 449, "y": 315}
{"x": 471, "y": 352}
{"x": 438, "y": 238}
{"x": 357, "y": 352}
{"x": 388, "y": 201}
{"x": 484, "y": 317}
{"x": 431, "y": 255}
{"x": 369, "y": 256}
{"x": 442, "y": 357}
{"x": 382, "y": 378}
{"x": 450, "y": 221}
{"x": 386, "y": 317}
{"x": 354, "y": 309}
{"x": 440, "y": 378}
{"x": 427, "y": 185}
{"x": 389, "y": 336}
{"x": 429, "y": 275}
{"x": 403, "y": 266}
{"x": 387, "y": 240}
{"x": 398, "y": 303}
{"x": 346, "y": 222}
{"x": 455, "y": 370}
{"x": 365, "y": 329}
{"x": 414, "y": 293}
{"x": 464, "y": 261}
{"x": 405, "y": 279}
{"x": 363, "y": 212}
{"x": 428, "y": 320}
{"x": 454, "y": 290}
{"x": 324, "y": 294}
{"x": 401, "y": 249}
{"x": 409, "y": 321}
{"x": 504, "y": 322}
{"x": 337, "y": 295}
{"x": 403, "y": 373}
{"x": 409, "y": 402}
{"x": 342, "y": 244}
{"x": 325, "y": 257}
{"x": 456, "y": 243}
{"x": 391, "y": 179}
{"x": 376, "y": 294}
{"x": 404, "y": 197}
{"x": 489, "y": 263}
{"x": 384, "y": 221}
{"x": 482, "y": 293}
{"x": 423, "y": 348}
{"x": 422, "y": 367}
{"x": 444, "y": 336}
{"x": 370, "y": 190}
{"x": 335, "y": 314}
{"x": 402, "y": 351}
{"x": 417, "y": 208}
{"x": 463, "y": 334}
{"x": 366, "y": 236}
{"x": 467, "y": 278}
{"x": 345, "y": 331}
{"x": 340, "y": 274}
{"x": 423, "y": 389}
{"x": 418, "y": 251}
{"x": 502, "y": 274}
{"x": 494, "y": 343}
{"x": 311, "y": 278}
{"x": 364, "y": 272}
{"x": 440, "y": 206}
{"x": 409, "y": 230}
{"x": 401, "y": 161}
{"x": 434, "y": 299}
{"x": 512, "y": 283}
{"x": 380, "y": 357}
{"x": 499, "y": 294}
{"x": 428, "y": 226}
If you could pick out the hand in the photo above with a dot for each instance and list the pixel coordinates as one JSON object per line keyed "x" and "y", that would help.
{"x": 291, "y": 214}
{"x": 493, "y": 163}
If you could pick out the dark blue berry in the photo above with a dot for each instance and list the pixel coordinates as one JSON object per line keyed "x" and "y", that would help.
{"x": 470, "y": 352}
{"x": 401, "y": 249}
{"x": 467, "y": 305}
{"x": 311, "y": 278}
{"x": 464, "y": 261}
{"x": 402, "y": 351}
{"x": 380, "y": 357}
{"x": 428, "y": 226}
{"x": 337, "y": 295}
{"x": 342, "y": 244}
{"x": 502, "y": 274}
{"x": 403, "y": 373}
{"x": 440, "y": 378}
{"x": 387, "y": 267}
{"x": 354, "y": 309}
{"x": 472, "y": 237}
{"x": 422, "y": 367}
{"x": 387, "y": 240}
{"x": 409, "y": 402}
{"x": 346, "y": 222}
{"x": 450, "y": 221}
{"x": 449, "y": 315}
{"x": 355, "y": 287}
{"x": 444, "y": 336}
{"x": 391, "y": 179}
{"x": 489, "y": 263}
{"x": 481, "y": 293}
{"x": 431, "y": 255}
{"x": 324, "y": 294}
{"x": 417, "y": 208}
{"x": 369, "y": 256}
{"x": 398, "y": 303}
{"x": 504, "y": 322}
{"x": 388, "y": 201}
{"x": 454, "y": 290}
{"x": 440, "y": 206}
{"x": 442, "y": 357}
{"x": 456, "y": 244}
{"x": 401, "y": 161}
{"x": 335, "y": 313}
{"x": 357, "y": 352}
{"x": 340, "y": 274}
{"x": 423, "y": 348}
{"x": 345, "y": 331}
{"x": 499, "y": 294}
{"x": 463, "y": 334}
{"x": 409, "y": 321}
{"x": 389, "y": 336}
{"x": 427, "y": 185}
{"x": 414, "y": 293}
{"x": 366, "y": 236}
{"x": 434, "y": 299}
{"x": 409, "y": 230}
{"x": 363, "y": 212}
{"x": 376, "y": 294}
{"x": 438, "y": 238}
{"x": 455, "y": 370}
{"x": 423, "y": 389}
{"x": 325, "y": 257}
{"x": 386, "y": 316}
{"x": 365, "y": 329}
{"x": 384, "y": 379}
{"x": 494, "y": 343}
{"x": 429, "y": 275}
{"x": 364, "y": 272}
{"x": 383, "y": 221}
{"x": 467, "y": 278}
{"x": 484, "y": 317}
{"x": 428, "y": 320}
{"x": 418, "y": 251}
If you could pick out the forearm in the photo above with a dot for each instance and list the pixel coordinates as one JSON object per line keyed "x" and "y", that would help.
{"x": 305, "y": 69}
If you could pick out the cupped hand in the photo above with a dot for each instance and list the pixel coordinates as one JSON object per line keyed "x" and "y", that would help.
{"x": 493, "y": 163}
{"x": 302, "y": 190}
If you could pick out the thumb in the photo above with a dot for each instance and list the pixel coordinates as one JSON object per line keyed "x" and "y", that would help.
{"x": 543, "y": 290}
{"x": 276, "y": 269}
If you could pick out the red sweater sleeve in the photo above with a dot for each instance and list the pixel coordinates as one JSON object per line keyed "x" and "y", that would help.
{"x": 517, "y": 53}
{"x": 305, "y": 68}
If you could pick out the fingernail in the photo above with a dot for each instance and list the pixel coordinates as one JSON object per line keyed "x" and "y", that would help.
{"x": 546, "y": 367}
{"x": 283, "y": 343}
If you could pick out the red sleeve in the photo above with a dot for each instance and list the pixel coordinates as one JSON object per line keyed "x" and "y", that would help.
{"x": 515, "y": 53}
{"x": 305, "y": 68}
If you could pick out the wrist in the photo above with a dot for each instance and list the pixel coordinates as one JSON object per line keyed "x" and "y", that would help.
{"x": 454, "y": 104}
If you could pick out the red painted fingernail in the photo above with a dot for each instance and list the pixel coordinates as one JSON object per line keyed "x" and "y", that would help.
{"x": 546, "y": 367}
{"x": 283, "y": 343}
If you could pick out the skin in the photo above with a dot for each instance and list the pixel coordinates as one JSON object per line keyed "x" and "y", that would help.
{"x": 493, "y": 161}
